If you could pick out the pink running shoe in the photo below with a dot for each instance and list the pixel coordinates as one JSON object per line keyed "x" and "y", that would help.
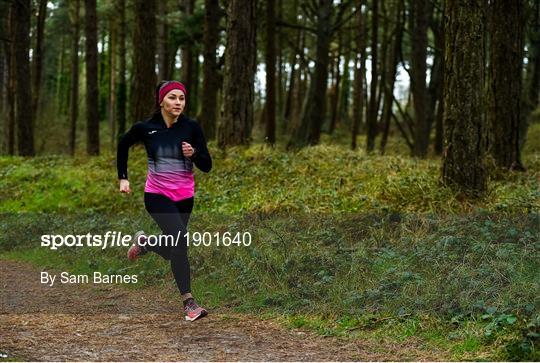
{"x": 136, "y": 250}
{"x": 193, "y": 311}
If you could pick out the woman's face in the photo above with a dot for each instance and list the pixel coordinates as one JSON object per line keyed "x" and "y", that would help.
{"x": 174, "y": 102}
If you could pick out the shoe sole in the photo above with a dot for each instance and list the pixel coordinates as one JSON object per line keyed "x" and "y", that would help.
{"x": 201, "y": 315}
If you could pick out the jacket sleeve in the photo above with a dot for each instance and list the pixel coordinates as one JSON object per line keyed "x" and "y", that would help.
{"x": 122, "y": 152}
{"x": 201, "y": 158}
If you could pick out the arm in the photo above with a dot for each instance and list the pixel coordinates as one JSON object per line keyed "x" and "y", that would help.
{"x": 122, "y": 152}
{"x": 201, "y": 157}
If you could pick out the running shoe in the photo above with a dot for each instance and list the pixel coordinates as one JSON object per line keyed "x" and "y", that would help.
{"x": 136, "y": 249}
{"x": 193, "y": 311}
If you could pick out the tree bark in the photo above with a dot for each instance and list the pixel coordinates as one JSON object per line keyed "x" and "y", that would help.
{"x": 309, "y": 131}
{"x": 335, "y": 98}
{"x": 531, "y": 98}
{"x": 121, "y": 99}
{"x": 9, "y": 48}
{"x": 163, "y": 42}
{"x": 59, "y": 77}
{"x": 281, "y": 79}
{"x": 504, "y": 87}
{"x": 292, "y": 82}
{"x": 187, "y": 60}
{"x": 418, "y": 79}
{"x": 103, "y": 64}
{"x": 359, "y": 75}
{"x": 300, "y": 87}
{"x": 383, "y": 51}
{"x": 391, "y": 69}
{"x": 194, "y": 100}
{"x": 343, "y": 114}
{"x": 3, "y": 85}
{"x": 436, "y": 83}
{"x": 270, "y": 135}
{"x": 208, "y": 117}
{"x": 372, "y": 108}
{"x": 92, "y": 115}
{"x": 38, "y": 57}
{"x": 74, "y": 11}
{"x": 112, "y": 82}
{"x": 23, "y": 93}
{"x": 465, "y": 131}
{"x": 287, "y": 120}
{"x": 238, "y": 84}
{"x": 144, "y": 49}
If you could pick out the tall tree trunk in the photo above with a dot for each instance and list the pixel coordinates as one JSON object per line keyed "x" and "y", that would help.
{"x": 238, "y": 84}
{"x": 208, "y": 117}
{"x": 173, "y": 51}
{"x": 38, "y": 57}
{"x": 281, "y": 82}
{"x": 436, "y": 83}
{"x": 504, "y": 86}
{"x": 270, "y": 73}
{"x": 530, "y": 97}
{"x": 359, "y": 74}
{"x": 187, "y": 59}
{"x": 292, "y": 82}
{"x": 372, "y": 108}
{"x": 103, "y": 59}
{"x": 435, "y": 79}
{"x": 286, "y": 120}
{"x": 418, "y": 79}
{"x": 144, "y": 49}
{"x": 309, "y": 131}
{"x": 4, "y": 72}
{"x": 194, "y": 101}
{"x": 92, "y": 111}
{"x": 4, "y": 29}
{"x": 121, "y": 99}
{"x": 382, "y": 55}
{"x": 112, "y": 82}
{"x": 9, "y": 48}
{"x": 163, "y": 42}
{"x": 3, "y": 85}
{"x": 391, "y": 69}
{"x": 464, "y": 121}
{"x": 439, "y": 129}
{"x": 335, "y": 99}
{"x": 343, "y": 115}
{"x": 300, "y": 88}
{"x": 23, "y": 93}
{"x": 74, "y": 11}
{"x": 60, "y": 76}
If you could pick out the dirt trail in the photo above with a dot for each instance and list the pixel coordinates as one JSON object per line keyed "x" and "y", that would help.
{"x": 111, "y": 323}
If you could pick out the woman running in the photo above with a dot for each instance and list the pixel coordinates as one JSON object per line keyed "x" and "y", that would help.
{"x": 173, "y": 144}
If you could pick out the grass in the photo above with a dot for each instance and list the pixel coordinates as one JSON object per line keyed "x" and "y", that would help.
{"x": 324, "y": 178}
{"x": 344, "y": 243}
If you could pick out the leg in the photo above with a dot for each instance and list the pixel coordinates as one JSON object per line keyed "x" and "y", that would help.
{"x": 163, "y": 211}
{"x": 173, "y": 223}
{"x": 179, "y": 260}
{"x": 179, "y": 253}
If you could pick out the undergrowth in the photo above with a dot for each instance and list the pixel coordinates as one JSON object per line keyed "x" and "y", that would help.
{"x": 342, "y": 242}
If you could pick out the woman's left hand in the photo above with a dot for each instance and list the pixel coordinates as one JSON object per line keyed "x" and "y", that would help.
{"x": 187, "y": 149}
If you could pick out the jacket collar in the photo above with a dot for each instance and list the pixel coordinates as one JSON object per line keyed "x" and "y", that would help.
{"x": 158, "y": 119}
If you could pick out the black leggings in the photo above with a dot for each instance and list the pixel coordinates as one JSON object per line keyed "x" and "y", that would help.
{"x": 172, "y": 217}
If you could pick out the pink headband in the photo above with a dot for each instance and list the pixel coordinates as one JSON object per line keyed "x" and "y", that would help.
{"x": 168, "y": 87}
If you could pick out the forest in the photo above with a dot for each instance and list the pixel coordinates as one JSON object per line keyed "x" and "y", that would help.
{"x": 319, "y": 69}
{"x": 383, "y": 155}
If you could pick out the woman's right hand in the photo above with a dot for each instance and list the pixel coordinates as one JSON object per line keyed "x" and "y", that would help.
{"x": 124, "y": 186}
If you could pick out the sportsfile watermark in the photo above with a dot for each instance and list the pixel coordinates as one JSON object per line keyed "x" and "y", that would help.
{"x": 119, "y": 239}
